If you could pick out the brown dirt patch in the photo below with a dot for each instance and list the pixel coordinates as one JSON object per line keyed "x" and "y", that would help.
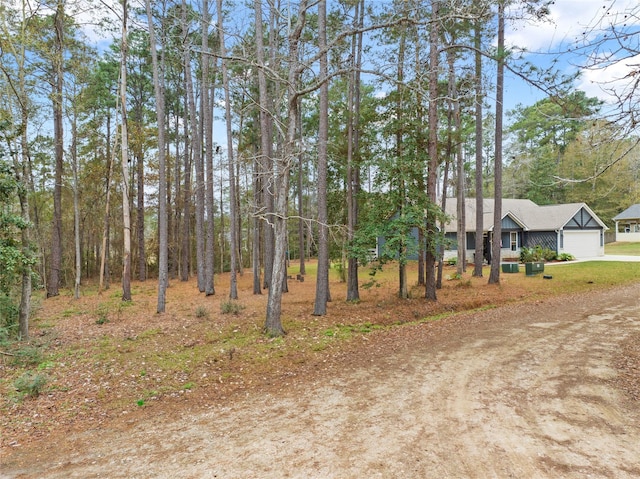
{"x": 339, "y": 386}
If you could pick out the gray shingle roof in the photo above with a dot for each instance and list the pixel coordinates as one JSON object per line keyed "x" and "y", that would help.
{"x": 525, "y": 212}
{"x": 631, "y": 213}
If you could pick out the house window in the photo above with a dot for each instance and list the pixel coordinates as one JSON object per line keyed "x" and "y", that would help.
{"x": 514, "y": 240}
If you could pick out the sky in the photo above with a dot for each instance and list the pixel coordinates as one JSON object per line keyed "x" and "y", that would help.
{"x": 573, "y": 24}
{"x": 570, "y": 23}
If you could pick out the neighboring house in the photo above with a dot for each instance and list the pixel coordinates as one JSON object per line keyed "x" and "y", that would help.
{"x": 628, "y": 224}
{"x": 569, "y": 228}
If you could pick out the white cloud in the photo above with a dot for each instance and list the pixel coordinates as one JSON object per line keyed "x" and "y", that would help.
{"x": 568, "y": 38}
{"x": 569, "y": 21}
{"x": 611, "y": 80}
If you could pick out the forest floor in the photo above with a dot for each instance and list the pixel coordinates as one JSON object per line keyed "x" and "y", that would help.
{"x": 516, "y": 380}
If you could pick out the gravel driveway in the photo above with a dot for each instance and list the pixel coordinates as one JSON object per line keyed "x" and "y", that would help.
{"x": 527, "y": 391}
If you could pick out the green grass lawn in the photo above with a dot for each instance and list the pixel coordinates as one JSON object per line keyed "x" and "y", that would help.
{"x": 632, "y": 249}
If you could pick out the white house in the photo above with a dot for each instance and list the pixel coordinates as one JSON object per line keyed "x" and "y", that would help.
{"x": 571, "y": 228}
{"x": 628, "y": 224}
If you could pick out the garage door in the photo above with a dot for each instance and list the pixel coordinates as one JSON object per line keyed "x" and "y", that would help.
{"x": 582, "y": 244}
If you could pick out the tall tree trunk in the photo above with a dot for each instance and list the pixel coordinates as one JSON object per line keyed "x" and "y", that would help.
{"x": 494, "y": 275}
{"x": 263, "y": 182}
{"x": 238, "y": 222}
{"x": 430, "y": 284}
{"x": 403, "y": 287}
{"x": 455, "y": 151}
{"x": 443, "y": 206}
{"x": 268, "y": 179}
{"x": 233, "y": 247}
{"x": 255, "y": 247}
{"x": 322, "y": 280}
{"x": 185, "y": 267}
{"x": 58, "y": 136}
{"x": 25, "y": 291}
{"x": 106, "y": 223}
{"x": 353, "y": 153}
{"x": 207, "y": 120}
{"x": 197, "y": 155}
{"x": 283, "y": 165}
{"x": 209, "y": 177}
{"x": 301, "y": 225}
{"x": 421, "y": 148}
{"x": 174, "y": 186}
{"x": 124, "y": 142}
{"x": 477, "y": 264}
{"x": 23, "y": 195}
{"x": 140, "y": 210}
{"x": 76, "y": 205}
{"x": 163, "y": 231}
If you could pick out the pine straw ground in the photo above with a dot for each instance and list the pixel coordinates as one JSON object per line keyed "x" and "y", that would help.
{"x": 104, "y": 359}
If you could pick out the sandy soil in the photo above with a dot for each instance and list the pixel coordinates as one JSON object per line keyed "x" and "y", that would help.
{"x": 526, "y": 390}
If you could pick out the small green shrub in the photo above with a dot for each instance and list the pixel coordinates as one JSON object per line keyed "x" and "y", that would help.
{"x": 536, "y": 254}
{"x": 452, "y": 261}
{"x": 30, "y": 384}
{"x": 202, "y": 312}
{"x": 231, "y": 307}
{"x": 527, "y": 255}
{"x": 566, "y": 257}
{"x": 102, "y": 314}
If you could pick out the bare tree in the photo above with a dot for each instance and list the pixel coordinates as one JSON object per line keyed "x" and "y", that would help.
{"x": 283, "y": 165}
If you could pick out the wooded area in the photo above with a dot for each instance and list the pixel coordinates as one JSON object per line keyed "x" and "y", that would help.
{"x": 203, "y": 139}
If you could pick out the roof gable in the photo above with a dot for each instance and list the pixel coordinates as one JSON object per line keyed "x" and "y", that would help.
{"x": 582, "y": 220}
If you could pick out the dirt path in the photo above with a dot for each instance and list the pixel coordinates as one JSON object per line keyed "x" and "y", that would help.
{"x": 522, "y": 391}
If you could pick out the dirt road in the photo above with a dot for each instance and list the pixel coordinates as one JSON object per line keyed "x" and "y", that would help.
{"x": 525, "y": 391}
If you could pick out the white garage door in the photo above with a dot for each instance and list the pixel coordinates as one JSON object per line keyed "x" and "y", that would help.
{"x": 582, "y": 244}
